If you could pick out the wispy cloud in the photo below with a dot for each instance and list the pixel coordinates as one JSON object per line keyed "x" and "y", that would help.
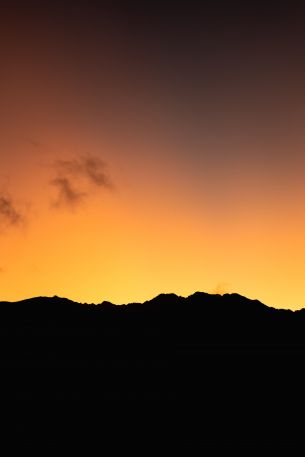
{"x": 35, "y": 143}
{"x": 221, "y": 288}
{"x": 67, "y": 195}
{"x": 9, "y": 214}
{"x": 95, "y": 169}
{"x": 77, "y": 178}
{"x": 87, "y": 167}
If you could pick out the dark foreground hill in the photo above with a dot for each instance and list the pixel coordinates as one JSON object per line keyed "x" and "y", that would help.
{"x": 206, "y": 369}
{"x": 167, "y": 326}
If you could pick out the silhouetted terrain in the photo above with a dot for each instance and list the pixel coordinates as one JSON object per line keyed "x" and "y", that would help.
{"x": 216, "y": 368}
{"x": 200, "y": 325}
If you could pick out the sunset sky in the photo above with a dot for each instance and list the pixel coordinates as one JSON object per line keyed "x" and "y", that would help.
{"x": 147, "y": 149}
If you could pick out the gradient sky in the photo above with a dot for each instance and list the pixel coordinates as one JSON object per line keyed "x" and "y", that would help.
{"x": 148, "y": 149}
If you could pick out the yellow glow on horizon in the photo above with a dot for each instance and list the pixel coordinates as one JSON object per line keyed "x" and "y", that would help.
{"x": 122, "y": 250}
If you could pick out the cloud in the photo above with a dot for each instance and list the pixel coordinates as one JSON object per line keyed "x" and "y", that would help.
{"x": 76, "y": 179}
{"x": 9, "y": 214}
{"x": 221, "y": 288}
{"x": 95, "y": 170}
{"x": 67, "y": 196}
{"x": 69, "y": 167}
{"x": 35, "y": 143}
{"x": 88, "y": 167}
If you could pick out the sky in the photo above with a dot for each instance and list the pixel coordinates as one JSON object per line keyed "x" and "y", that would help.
{"x": 148, "y": 148}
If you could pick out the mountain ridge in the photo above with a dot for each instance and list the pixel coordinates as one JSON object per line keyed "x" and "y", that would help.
{"x": 212, "y": 356}
{"x": 164, "y": 324}
{"x": 161, "y": 296}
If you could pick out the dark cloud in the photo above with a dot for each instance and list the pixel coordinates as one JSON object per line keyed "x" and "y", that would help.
{"x": 95, "y": 169}
{"x": 67, "y": 196}
{"x": 9, "y": 214}
{"x": 88, "y": 167}
{"x": 76, "y": 179}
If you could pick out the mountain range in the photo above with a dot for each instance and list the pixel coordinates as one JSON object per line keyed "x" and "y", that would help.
{"x": 201, "y": 325}
{"x": 217, "y": 369}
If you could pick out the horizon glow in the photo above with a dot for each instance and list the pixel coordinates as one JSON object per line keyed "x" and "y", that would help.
{"x": 143, "y": 153}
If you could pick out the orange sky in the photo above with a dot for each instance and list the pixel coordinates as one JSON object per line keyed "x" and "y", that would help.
{"x": 149, "y": 235}
{"x": 193, "y": 185}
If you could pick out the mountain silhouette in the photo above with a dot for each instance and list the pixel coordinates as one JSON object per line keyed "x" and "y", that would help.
{"x": 201, "y": 325}
{"x": 217, "y": 369}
